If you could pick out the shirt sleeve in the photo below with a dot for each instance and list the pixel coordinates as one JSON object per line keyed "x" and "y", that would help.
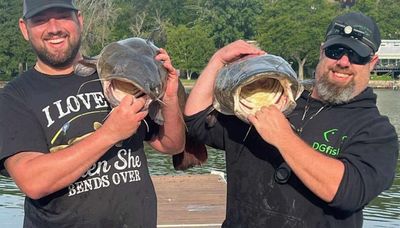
{"x": 19, "y": 129}
{"x": 206, "y": 128}
{"x": 370, "y": 165}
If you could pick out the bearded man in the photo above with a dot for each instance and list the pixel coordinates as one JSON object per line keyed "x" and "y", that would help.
{"x": 320, "y": 165}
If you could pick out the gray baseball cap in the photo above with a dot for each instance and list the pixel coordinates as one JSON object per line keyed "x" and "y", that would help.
{"x": 356, "y": 31}
{"x": 33, "y": 7}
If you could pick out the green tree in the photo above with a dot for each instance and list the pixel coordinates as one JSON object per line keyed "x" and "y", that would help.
{"x": 388, "y": 19}
{"x": 292, "y": 29}
{"x": 99, "y": 18}
{"x": 15, "y": 53}
{"x": 150, "y": 18}
{"x": 295, "y": 29}
{"x": 229, "y": 19}
{"x": 385, "y": 14}
{"x": 189, "y": 48}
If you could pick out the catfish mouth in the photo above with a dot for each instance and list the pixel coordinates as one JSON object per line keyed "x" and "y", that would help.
{"x": 259, "y": 92}
{"x": 117, "y": 89}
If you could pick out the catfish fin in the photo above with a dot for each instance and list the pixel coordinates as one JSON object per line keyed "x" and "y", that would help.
{"x": 307, "y": 84}
{"x": 155, "y": 113}
{"x": 86, "y": 66}
{"x": 194, "y": 154}
{"x": 211, "y": 118}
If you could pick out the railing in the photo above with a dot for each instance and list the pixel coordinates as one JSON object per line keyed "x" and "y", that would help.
{"x": 387, "y": 67}
{"x": 392, "y": 70}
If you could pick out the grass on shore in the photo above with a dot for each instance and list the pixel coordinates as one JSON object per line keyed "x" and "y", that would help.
{"x": 187, "y": 82}
{"x": 385, "y": 77}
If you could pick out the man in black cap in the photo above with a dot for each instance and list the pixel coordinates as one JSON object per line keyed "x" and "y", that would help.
{"x": 32, "y": 7}
{"x": 324, "y": 162}
{"x": 87, "y": 181}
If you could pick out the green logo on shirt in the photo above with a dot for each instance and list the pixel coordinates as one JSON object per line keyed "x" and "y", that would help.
{"x": 329, "y": 136}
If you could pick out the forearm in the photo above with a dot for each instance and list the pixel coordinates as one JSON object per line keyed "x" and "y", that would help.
{"x": 38, "y": 174}
{"x": 171, "y": 137}
{"x": 201, "y": 95}
{"x": 320, "y": 173}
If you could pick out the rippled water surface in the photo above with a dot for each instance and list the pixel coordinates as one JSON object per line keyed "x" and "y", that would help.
{"x": 384, "y": 211}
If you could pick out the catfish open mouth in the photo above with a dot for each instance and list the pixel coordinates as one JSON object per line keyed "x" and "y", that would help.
{"x": 116, "y": 90}
{"x": 244, "y": 86}
{"x": 260, "y": 92}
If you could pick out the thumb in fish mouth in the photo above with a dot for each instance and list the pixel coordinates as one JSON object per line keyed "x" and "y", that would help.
{"x": 282, "y": 102}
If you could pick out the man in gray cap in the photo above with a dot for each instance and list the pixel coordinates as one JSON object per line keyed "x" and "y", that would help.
{"x": 86, "y": 181}
{"x": 324, "y": 162}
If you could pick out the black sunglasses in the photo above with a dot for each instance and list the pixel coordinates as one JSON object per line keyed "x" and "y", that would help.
{"x": 337, "y": 52}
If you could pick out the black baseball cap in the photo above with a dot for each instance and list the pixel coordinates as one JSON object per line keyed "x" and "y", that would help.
{"x": 356, "y": 31}
{"x": 33, "y": 7}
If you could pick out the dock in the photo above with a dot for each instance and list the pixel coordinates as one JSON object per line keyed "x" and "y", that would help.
{"x": 190, "y": 200}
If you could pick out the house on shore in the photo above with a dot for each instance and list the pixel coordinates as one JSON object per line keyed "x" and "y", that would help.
{"x": 389, "y": 58}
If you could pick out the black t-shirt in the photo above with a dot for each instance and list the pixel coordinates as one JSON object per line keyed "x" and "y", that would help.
{"x": 47, "y": 113}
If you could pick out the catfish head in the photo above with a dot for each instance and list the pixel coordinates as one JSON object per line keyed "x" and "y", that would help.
{"x": 127, "y": 67}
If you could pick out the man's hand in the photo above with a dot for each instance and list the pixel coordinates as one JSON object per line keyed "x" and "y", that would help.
{"x": 172, "y": 80}
{"x": 236, "y": 50}
{"x": 271, "y": 124}
{"x": 124, "y": 120}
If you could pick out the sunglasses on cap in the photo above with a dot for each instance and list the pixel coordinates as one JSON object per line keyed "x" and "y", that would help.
{"x": 336, "y": 52}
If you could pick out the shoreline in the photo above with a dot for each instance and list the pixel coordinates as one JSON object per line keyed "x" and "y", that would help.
{"x": 376, "y": 84}
{"x": 384, "y": 84}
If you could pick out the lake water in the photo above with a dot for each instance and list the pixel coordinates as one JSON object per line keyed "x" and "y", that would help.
{"x": 384, "y": 211}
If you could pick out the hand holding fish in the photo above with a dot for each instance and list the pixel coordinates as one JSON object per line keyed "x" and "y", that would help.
{"x": 271, "y": 124}
{"x": 124, "y": 120}
{"x": 236, "y": 50}
{"x": 172, "y": 78}
{"x": 173, "y": 133}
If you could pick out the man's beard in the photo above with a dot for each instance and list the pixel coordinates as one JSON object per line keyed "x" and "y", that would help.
{"x": 58, "y": 60}
{"x": 334, "y": 94}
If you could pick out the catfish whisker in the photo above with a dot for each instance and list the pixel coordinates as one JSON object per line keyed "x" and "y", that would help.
{"x": 247, "y": 134}
{"x": 139, "y": 94}
{"x": 180, "y": 116}
{"x": 104, "y": 119}
{"x": 160, "y": 101}
{"x": 147, "y": 125}
{"x": 80, "y": 87}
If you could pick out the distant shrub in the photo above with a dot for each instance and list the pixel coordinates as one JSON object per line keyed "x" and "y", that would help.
{"x": 383, "y": 77}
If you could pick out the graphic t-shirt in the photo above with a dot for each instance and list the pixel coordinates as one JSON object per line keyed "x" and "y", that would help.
{"x": 48, "y": 113}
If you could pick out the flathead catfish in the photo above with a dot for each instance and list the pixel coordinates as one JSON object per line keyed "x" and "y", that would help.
{"x": 129, "y": 67}
{"x": 244, "y": 86}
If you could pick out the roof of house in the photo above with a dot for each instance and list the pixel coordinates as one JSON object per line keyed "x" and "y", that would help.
{"x": 389, "y": 49}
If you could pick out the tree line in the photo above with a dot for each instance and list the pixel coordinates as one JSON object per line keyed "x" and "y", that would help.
{"x": 191, "y": 30}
